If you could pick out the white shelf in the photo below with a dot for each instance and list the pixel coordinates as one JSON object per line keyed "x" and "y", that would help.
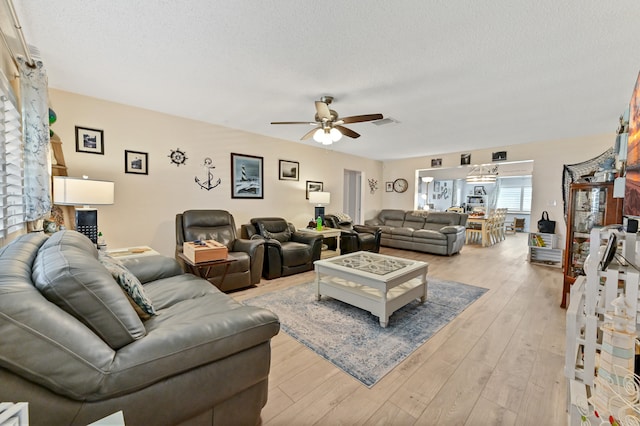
{"x": 544, "y": 250}
{"x": 590, "y": 298}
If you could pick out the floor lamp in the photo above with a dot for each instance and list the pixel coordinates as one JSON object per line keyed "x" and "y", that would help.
{"x": 70, "y": 191}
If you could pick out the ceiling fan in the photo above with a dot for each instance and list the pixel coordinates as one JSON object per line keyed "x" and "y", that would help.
{"x": 329, "y": 127}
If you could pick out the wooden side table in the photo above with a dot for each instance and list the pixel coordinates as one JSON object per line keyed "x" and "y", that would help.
{"x": 202, "y": 269}
{"x": 128, "y": 252}
{"x": 326, "y": 233}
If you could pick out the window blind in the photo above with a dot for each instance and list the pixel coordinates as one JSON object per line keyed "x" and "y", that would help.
{"x": 12, "y": 208}
{"x": 514, "y": 194}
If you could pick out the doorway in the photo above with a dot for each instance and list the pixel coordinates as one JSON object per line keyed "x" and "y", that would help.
{"x": 352, "y": 195}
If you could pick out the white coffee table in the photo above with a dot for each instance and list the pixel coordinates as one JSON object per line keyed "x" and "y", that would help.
{"x": 374, "y": 282}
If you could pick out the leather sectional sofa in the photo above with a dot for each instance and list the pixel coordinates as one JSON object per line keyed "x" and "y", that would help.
{"x": 429, "y": 232}
{"x": 74, "y": 348}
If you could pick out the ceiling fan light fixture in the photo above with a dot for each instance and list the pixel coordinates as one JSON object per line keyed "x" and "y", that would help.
{"x": 335, "y": 134}
{"x": 318, "y": 135}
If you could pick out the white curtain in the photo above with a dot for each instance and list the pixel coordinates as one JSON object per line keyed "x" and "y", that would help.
{"x": 35, "y": 128}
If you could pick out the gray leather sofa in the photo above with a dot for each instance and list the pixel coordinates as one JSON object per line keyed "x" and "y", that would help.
{"x": 74, "y": 348}
{"x": 429, "y": 232}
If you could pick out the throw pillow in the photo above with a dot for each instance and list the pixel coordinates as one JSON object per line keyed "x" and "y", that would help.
{"x": 130, "y": 284}
{"x": 343, "y": 217}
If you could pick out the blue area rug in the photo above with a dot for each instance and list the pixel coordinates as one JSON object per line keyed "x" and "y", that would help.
{"x": 352, "y": 338}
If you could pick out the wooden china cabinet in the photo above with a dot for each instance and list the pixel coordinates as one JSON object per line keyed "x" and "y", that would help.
{"x": 590, "y": 205}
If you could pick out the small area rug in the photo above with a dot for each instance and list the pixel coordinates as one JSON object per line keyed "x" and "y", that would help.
{"x": 352, "y": 338}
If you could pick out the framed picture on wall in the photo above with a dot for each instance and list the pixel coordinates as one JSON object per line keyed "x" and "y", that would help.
{"x": 465, "y": 159}
{"x": 499, "y": 156}
{"x": 289, "y": 170}
{"x": 136, "y": 162}
{"x": 89, "y": 140}
{"x": 247, "y": 176}
{"x": 313, "y": 186}
{"x": 436, "y": 162}
{"x": 388, "y": 186}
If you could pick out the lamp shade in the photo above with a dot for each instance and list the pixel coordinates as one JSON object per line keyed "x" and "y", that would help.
{"x": 71, "y": 191}
{"x": 319, "y": 197}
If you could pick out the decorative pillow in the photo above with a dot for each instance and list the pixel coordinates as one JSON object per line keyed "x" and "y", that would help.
{"x": 342, "y": 217}
{"x": 130, "y": 284}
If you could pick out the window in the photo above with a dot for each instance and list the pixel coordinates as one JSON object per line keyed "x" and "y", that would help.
{"x": 12, "y": 207}
{"x": 514, "y": 193}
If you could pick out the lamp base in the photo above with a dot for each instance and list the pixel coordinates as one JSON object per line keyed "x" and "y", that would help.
{"x": 319, "y": 211}
{"x": 87, "y": 223}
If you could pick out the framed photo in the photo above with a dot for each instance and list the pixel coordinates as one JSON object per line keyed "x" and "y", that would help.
{"x": 465, "y": 159}
{"x": 388, "y": 186}
{"x": 313, "y": 186}
{"x": 136, "y": 162}
{"x": 247, "y": 176}
{"x": 436, "y": 162}
{"x": 479, "y": 190}
{"x": 289, "y": 170}
{"x": 436, "y": 186}
{"x": 89, "y": 140}
{"x": 499, "y": 156}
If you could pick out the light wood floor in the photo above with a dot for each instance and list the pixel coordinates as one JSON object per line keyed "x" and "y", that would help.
{"x": 499, "y": 363}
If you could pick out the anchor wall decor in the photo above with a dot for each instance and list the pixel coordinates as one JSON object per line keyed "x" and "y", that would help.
{"x": 208, "y": 184}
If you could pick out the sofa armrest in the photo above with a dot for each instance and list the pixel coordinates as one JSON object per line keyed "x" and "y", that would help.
{"x": 366, "y": 228}
{"x": 151, "y": 268}
{"x": 247, "y": 246}
{"x": 373, "y": 222}
{"x": 452, "y": 229}
{"x": 300, "y": 237}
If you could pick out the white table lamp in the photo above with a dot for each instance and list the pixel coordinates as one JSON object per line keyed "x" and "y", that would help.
{"x": 70, "y": 191}
{"x": 320, "y": 199}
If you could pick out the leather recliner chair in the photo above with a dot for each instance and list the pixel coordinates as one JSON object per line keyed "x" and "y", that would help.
{"x": 219, "y": 225}
{"x": 287, "y": 251}
{"x": 355, "y": 237}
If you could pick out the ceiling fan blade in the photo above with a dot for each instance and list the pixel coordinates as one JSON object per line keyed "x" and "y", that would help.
{"x": 323, "y": 111}
{"x": 294, "y": 122}
{"x": 348, "y": 132}
{"x": 361, "y": 118}
{"x": 309, "y": 134}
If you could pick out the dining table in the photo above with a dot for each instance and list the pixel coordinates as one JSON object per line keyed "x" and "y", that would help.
{"x": 483, "y": 221}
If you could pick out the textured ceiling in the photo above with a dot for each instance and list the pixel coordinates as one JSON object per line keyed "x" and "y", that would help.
{"x": 456, "y": 74}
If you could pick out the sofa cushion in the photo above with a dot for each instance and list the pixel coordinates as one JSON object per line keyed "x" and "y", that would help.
{"x": 67, "y": 272}
{"x": 443, "y": 218}
{"x": 407, "y": 232}
{"x": 391, "y": 217}
{"x": 277, "y": 230}
{"x": 414, "y": 219}
{"x": 130, "y": 284}
{"x": 426, "y": 234}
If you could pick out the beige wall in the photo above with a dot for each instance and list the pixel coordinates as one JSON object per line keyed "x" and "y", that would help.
{"x": 549, "y": 158}
{"x": 145, "y": 206}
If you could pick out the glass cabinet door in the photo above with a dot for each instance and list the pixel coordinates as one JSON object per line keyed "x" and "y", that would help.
{"x": 588, "y": 211}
